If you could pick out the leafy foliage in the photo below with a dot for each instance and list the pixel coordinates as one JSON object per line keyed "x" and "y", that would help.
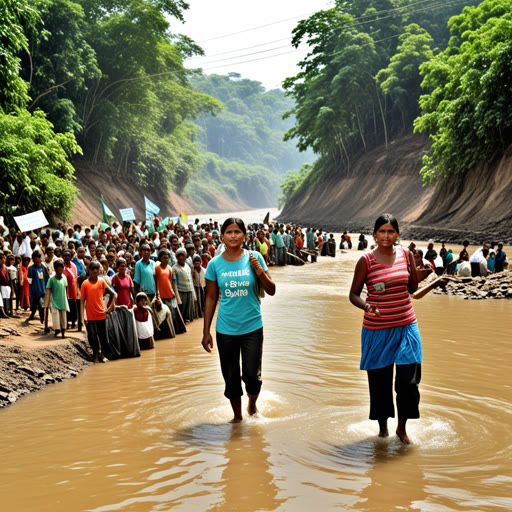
{"x": 34, "y": 166}
{"x": 292, "y": 182}
{"x": 13, "y": 16}
{"x": 360, "y": 83}
{"x": 467, "y": 111}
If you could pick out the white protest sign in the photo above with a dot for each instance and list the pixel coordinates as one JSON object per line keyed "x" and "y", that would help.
{"x": 31, "y": 221}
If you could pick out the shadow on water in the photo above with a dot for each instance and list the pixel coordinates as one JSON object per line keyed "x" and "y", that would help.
{"x": 392, "y": 478}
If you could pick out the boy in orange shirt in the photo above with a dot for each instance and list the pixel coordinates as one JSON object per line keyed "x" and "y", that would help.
{"x": 91, "y": 295}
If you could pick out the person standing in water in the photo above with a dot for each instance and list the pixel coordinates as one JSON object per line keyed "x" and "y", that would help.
{"x": 235, "y": 274}
{"x": 390, "y": 334}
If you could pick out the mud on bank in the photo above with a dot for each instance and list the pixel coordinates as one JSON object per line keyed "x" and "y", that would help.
{"x": 30, "y": 360}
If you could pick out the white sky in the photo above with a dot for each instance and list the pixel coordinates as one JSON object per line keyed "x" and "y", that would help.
{"x": 212, "y": 24}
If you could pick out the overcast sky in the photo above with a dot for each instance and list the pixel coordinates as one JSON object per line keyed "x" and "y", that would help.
{"x": 233, "y": 32}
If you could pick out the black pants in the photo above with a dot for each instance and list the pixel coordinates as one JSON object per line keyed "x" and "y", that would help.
{"x": 37, "y": 304}
{"x": 250, "y": 346}
{"x": 97, "y": 336}
{"x": 74, "y": 312}
{"x": 407, "y": 380}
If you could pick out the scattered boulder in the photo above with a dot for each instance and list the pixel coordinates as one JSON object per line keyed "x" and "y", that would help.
{"x": 492, "y": 286}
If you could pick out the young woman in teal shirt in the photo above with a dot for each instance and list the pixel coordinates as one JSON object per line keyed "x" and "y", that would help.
{"x": 235, "y": 274}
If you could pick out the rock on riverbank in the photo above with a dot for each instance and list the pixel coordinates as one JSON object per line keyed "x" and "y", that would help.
{"x": 26, "y": 366}
{"x": 493, "y": 286}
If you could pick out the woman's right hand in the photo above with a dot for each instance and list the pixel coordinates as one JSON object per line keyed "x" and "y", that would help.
{"x": 207, "y": 342}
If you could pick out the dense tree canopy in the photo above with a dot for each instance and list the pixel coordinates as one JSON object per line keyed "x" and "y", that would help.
{"x": 34, "y": 160}
{"x": 360, "y": 83}
{"x": 468, "y": 111}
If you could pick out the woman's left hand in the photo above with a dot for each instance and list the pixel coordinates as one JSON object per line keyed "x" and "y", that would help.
{"x": 255, "y": 264}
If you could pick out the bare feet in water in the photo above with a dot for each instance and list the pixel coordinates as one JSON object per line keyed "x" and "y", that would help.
{"x": 236, "y": 419}
{"x": 401, "y": 433}
{"x": 383, "y": 428}
{"x": 251, "y": 407}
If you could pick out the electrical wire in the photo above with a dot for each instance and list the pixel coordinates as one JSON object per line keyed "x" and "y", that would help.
{"x": 437, "y": 6}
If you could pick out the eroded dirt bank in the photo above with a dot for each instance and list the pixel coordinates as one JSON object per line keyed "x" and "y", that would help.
{"x": 31, "y": 360}
{"x": 475, "y": 207}
{"x": 118, "y": 192}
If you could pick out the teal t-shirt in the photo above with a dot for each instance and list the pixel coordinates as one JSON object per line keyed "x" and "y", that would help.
{"x": 239, "y": 308}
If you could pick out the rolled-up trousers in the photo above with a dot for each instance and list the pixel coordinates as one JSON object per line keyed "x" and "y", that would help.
{"x": 250, "y": 347}
{"x": 407, "y": 380}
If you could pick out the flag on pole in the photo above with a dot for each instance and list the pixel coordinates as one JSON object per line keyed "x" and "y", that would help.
{"x": 107, "y": 212}
{"x": 184, "y": 219}
{"x": 151, "y": 208}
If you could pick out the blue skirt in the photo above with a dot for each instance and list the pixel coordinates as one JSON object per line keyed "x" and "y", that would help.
{"x": 382, "y": 347}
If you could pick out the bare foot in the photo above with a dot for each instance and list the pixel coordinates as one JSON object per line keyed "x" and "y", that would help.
{"x": 400, "y": 431}
{"x": 236, "y": 419}
{"x": 402, "y": 435}
{"x": 383, "y": 428}
{"x": 251, "y": 407}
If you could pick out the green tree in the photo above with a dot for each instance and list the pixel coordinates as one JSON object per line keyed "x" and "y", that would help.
{"x": 34, "y": 166}
{"x": 401, "y": 80}
{"x": 14, "y": 15}
{"x": 59, "y": 62}
{"x": 467, "y": 112}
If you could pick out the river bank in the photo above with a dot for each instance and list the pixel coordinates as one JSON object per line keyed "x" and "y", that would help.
{"x": 30, "y": 360}
{"x": 493, "y": 286}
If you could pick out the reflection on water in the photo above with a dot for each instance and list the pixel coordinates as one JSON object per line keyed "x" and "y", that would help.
{"x": 151, "y": 434}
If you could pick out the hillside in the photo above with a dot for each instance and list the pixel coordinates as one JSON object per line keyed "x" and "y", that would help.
{"x": 119, "y": 193}
{"x": 474, "y": 206}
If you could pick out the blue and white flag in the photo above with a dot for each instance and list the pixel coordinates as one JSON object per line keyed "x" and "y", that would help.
{"x": 151, "y": 207}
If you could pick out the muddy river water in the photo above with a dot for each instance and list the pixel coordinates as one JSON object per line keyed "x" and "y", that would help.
{"x": 151, "y": 434}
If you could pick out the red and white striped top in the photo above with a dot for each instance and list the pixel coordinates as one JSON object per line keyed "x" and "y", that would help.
{"x": 387, "y": 287}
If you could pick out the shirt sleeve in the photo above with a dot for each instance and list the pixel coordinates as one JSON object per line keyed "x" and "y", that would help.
{"x": 136, "y": 274}
{"x": 211, "y": 274}
{"x": 261, "y": 261}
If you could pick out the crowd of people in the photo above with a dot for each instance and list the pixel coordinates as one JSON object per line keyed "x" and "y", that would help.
{"x": 487, "y": 259}
{"x": 71, "y": 277}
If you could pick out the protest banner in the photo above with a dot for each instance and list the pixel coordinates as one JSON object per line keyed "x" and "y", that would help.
{"x": 127, "y": 214}
{"x": 31, "y": 221}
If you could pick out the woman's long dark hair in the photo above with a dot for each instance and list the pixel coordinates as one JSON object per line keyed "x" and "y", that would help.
{"x": 384, "y": 219}
{"x": 232, "y": 220}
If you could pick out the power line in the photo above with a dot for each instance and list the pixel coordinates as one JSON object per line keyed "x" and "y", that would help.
{"x": 356, "y": 18}
{"x": 254, "y": 28}
{"x": 436, "y": 6}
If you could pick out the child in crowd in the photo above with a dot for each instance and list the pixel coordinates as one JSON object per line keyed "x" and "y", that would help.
{"x": 13, "y": 275}
{"x": 56, "y": 293}
{"x": 24, "y": 286}
{"x": 91, "y": 297}
{"x": 5, "y": 287}
{"x": 144, "y": 322}
{"x": 37, "y": 278}
{"x": 198, "y": 273}
{"x": 123, "y": 284}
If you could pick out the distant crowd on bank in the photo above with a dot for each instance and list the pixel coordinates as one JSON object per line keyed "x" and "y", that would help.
{"x": 128, "y": 284}
{"x": 487, "y": 259}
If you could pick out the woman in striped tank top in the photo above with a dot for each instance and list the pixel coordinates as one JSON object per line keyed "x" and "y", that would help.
{"x": 390, "y": 334}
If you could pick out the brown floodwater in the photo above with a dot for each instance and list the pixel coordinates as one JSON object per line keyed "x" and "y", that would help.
{"x": 151, "y": 434}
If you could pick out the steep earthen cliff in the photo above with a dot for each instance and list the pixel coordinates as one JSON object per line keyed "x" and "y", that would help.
{"x": 476, "y": 206}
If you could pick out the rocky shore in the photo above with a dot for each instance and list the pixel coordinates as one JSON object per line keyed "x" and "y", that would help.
{"x": 28, "y": 363}
{"x": 493, "y": 286}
